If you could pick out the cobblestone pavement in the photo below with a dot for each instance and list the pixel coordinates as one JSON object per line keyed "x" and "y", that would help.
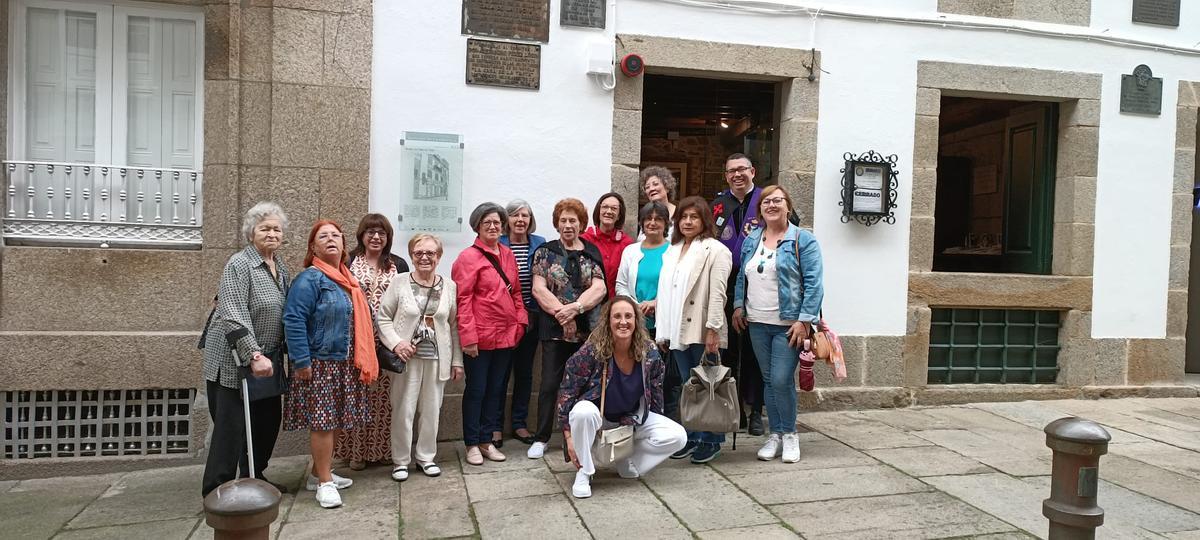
{"x": 976, "y": 471}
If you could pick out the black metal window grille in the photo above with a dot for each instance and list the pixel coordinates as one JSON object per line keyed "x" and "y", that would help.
{"x": 968, "y": 345}
{"x": 96, "y": 423}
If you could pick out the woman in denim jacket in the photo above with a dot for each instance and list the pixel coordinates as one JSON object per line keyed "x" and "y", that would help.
{"x": 331, "y": 342}
{"x": 778, "y": 295}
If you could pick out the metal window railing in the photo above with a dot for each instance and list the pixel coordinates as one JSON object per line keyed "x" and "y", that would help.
{"x": 96, "y": 423}
{"x": 95, "y": 204}
{"x": 968, "y": 345}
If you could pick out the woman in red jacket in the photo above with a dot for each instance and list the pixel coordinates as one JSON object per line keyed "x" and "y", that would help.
{"x": 489, "y": 302}
{"x": 606, "y": 234}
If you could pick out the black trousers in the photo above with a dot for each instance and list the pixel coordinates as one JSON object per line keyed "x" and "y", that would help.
{"x": 554, "y": 362}
{"x": 227, "y": 450}
{"x": 522, "y": 375}
{"x": 740, "y": 359}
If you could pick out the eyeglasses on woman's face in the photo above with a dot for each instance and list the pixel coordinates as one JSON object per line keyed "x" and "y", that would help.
{"x": 424, "y": 254}
{"x": 371, "y": 233}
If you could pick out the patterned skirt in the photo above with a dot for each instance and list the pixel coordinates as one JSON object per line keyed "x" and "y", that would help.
{"x": 373, "y": 441}
{"x": 335, "y": 398}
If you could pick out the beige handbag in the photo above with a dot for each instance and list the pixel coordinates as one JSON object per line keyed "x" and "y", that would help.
{"x": 614, "y": 444}
{"x": 709, "y": 401}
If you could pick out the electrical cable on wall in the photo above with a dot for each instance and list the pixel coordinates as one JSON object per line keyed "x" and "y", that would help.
{"x": 774, "y": 8}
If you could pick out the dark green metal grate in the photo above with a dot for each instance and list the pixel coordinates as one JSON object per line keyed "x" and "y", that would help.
{"x": 1012, "y": 346}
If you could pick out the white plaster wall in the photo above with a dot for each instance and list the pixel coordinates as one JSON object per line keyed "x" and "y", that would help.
{"x": 556, "y": 142}
{"x": 540, "y": 146}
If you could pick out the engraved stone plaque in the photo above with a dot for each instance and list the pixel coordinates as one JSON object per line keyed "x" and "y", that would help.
{"x": 501, "y": 63}
{"x": 1160, "y": 12}
{"x": 586, "y": 13}
{"x": 1141, "y": 93}
{"x": 508, "y": 19}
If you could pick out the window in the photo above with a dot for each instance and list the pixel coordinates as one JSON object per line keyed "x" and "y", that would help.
{"x": 105, "y": 123}
{"x": 1008, "y": 346}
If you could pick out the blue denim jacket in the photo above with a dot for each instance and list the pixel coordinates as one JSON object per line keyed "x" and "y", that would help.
{"x": 316, "y": 319}
{"x": 801, "y": 279}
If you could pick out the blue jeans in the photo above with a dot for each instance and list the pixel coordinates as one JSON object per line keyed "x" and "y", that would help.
{"x": 778, "y": 362}
{"x": 483, "y": 394}
{"x": 686, "y": 360}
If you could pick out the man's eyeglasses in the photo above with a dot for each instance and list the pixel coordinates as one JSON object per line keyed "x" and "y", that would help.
{"x": 738, "y": 170}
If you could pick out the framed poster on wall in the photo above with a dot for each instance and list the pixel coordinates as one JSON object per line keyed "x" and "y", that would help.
{"x": 431, "y": 178}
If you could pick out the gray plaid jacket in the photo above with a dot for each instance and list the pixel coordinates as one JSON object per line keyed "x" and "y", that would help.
{"x": 251, "y": 298}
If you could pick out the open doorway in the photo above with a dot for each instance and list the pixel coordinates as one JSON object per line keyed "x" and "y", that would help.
{"x": 691, "y": 124}
{"x": 994, "y": 210}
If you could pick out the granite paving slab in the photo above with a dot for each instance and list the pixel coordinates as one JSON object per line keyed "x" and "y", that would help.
{"x": 822, "y": 454}
{"x": 435, "y": 507}
{"x": 693, "y": 494}
{"x": 1126, "y": 510}
{"x": 120, "y": 507}
{"x": 511, "y": 484}
{"x": 928, "y": 461}
{"x": 541, "y": 516}
{"x": 174, "y": 529}
{"x": 860, "y": 433}
{"x": 799, "y": 485}
{"x": 1009, "y": 499}
{"x": 912, "y": 515}
{"x": 914, "y": 419}
{"x": 373, "y": 497}
{"x": 1161, "y": 455}
{"x": 987, "y": 450}
{"x": 623, "y": 508}
{"x": 760, "y": 532}
{"x": 1161, "y": 484}
{"x": 36, "y": 509}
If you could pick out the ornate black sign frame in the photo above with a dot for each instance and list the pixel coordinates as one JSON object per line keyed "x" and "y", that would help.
{"x": 888, "y": 191}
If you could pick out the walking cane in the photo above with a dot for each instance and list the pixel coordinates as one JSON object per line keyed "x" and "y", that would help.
{"x": 233, "y": 337}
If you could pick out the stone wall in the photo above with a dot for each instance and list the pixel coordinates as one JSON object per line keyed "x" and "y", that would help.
{"x": 705, "y": 158}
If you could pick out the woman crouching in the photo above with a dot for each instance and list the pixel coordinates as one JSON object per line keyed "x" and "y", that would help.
{"x": 634, "y": 396}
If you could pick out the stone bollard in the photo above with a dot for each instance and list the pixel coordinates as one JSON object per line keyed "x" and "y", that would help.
{"x": 242, "y": 509}
{"x": 1075, "y": 477}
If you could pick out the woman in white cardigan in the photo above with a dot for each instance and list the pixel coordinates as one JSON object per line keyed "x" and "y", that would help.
{"x": 418, "y": 319}
{"x": 691, "y": 305}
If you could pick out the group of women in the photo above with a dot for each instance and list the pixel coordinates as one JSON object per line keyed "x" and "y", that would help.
{"x": 610, "y": 312}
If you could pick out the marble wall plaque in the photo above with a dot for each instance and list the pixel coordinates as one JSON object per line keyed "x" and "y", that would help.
{"x": 586, "y": 13}
{"x": 1160, "y": 12}
{"x": 508, "y": 19}
{"x": 502, "y": 63}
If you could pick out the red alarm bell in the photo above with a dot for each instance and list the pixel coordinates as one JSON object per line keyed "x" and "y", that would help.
{"x": 632, "y": 65}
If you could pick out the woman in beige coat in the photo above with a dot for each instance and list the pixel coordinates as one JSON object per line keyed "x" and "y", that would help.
{"x": 418, "y": 319}
{"x": 690, "y": 316}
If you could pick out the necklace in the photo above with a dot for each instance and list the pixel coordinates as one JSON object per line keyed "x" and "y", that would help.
{"x": 763, "y": 257}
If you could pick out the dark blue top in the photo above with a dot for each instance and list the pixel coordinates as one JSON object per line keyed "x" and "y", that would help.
{"x": 624, "y": 395}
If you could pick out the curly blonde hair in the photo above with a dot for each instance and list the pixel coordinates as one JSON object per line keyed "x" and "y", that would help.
{"x": 601, "y": 337}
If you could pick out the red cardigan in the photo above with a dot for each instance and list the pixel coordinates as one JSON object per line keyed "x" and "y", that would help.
{"x": 486, "y": 310}
{"x": 611, "y": 245}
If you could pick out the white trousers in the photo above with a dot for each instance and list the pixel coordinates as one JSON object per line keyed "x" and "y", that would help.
{"x": 653, "y": 441}
{"x": 417, "y": 391}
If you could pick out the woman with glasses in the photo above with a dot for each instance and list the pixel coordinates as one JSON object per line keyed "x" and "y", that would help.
{"x": 491, "y": 321}
{"x": 374, "y": 266}
{"x": 331, "y": 342}
{"x": 778, "y": 297}
{"x": 418, "y": 319}
{"x": 520, "y": 238}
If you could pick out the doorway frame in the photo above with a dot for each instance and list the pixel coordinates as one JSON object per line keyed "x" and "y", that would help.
{"x": 1187, "y": 115}
{"x": 796, "y": 113}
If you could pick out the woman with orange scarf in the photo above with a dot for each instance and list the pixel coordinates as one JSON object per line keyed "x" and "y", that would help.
{"x": 331, "y": 343}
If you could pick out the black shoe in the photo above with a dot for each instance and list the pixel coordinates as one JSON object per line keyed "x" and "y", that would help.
{"x": 686, "y": 450}
{"x": 498, "y": 442}
{"x": 526, "y": 440}
{"x": 705, "y": 453}
{"x": 755, "y": 424}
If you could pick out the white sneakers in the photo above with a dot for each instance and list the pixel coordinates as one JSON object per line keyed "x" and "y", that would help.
{"x": 328, "y": 496}
{"x": 537, "y": 450}
{"x": 400, "y": 473}
{"x": 582, "y": 488}
{"x": 338, "y": 481}
{"x": 626, "y": 469}
{"x": 789, "y": 443}
{"x": 791, "y": 448}
{"x": 770, "y": 450}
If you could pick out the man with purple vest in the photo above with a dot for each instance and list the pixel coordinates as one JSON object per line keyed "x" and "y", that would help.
{"x": 735, "y": 211}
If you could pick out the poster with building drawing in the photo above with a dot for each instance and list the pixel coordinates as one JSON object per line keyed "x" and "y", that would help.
{"x": 431, "y": 177}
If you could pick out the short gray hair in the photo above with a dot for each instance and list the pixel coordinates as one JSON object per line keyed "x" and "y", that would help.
{"x": 485, "y": 209}
{"x": 516, "y": 206}
{"x": 258, "y": 213}
{"x": 664, "y": 174}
